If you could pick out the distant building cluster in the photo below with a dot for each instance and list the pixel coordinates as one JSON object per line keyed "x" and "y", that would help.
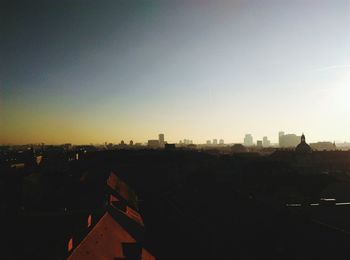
{"x": 215, "y": 142}
{"x": 185, "y": 142}
{"x": 300, "y": 145}
{"x": 249, "y": 141}
{"x": 157, "y": 143}
{"x": 285, "y": 141}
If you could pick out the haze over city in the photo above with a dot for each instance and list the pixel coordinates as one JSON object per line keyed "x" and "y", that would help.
{"x": 191, "y": 69}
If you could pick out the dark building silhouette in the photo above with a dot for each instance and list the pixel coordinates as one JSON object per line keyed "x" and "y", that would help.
{"x": 153, "y": 143}
{"x": 169, "y": 146}
{"x": 239, "y": 148}
{"x": 303, "y": 147}
{"x": 178, "y": 191}
{"x": 118, "y": 234}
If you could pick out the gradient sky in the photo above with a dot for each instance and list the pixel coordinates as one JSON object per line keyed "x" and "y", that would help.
{"x": 84, "y": 72}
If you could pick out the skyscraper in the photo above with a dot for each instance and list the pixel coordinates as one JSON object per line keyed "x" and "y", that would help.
{"x": 221, "y": 141}
{"x": 248, "y": 140}
{"x": 161, "y": 140}
{"x": 266, "y": 142}
{"x": 280, "y": 134}
{"x": 215, "y": 141}
{"x": 259, "y": 144}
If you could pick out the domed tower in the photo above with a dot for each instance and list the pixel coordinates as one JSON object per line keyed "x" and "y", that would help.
{"x": 303, "y": 147}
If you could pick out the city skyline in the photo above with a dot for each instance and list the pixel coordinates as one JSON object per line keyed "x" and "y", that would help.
{"x": 246, "y": 140}
{"x": 93, "y": 73}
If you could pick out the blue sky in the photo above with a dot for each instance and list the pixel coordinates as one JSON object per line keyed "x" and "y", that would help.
{"x": 85, "y": 72}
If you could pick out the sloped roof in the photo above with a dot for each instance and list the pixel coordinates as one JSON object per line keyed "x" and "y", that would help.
{"x": 103, "y": 242}
{"x": 116, "y": 235}
{"x": 303, "y": 147}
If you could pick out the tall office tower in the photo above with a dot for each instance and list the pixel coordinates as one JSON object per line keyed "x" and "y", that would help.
{"x": 221, "y": 141}
{"x": 266, "y": 142}
{"x": 208, "y": 142}
{"x": 280, "y": 134}
{"x": 215, "y": 141}
{"x": 259, "y": 144}
{"x": 248, "y": 140}
{"x": 161, "y": 140}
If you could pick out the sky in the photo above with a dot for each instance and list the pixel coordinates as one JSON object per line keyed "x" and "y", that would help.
{"x": 104, "y": 71}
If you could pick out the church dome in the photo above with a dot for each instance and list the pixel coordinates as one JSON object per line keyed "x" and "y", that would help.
{"x": 303, "y": 147}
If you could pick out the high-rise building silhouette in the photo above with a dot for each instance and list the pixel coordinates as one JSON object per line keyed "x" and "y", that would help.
{"x": 215, "y": 141}
{"x": 259, "y": 144}
{"x": 280, "y": 134}
{"x": 266, "y": 142}
{"x": 161, "y": 140}
{"x": 248, "y": 140}
{"x": 221, "y": 141}
{"x": 288, "y": 140}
